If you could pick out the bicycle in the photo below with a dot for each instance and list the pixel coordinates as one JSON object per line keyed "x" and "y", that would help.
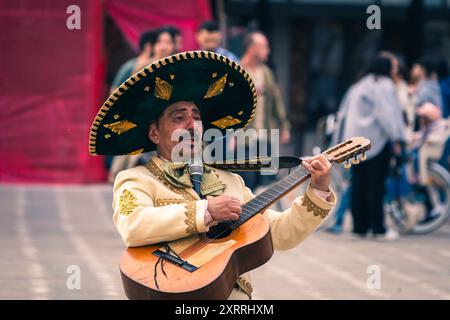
{"x": 430, "y": 202}
{"x": 416, "y": 208}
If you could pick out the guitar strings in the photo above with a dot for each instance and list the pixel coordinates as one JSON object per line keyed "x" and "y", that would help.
{"x": 292, "y": 177}
{"x": 291, "y": 180}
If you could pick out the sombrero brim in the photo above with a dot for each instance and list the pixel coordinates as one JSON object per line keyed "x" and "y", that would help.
{"x": 221, "y": 89}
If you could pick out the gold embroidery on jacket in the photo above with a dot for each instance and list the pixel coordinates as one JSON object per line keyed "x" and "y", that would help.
{"x": 157, "y": 172}
{"x": 190, "y": 217}
{"x": 168, "y": 201}
{"x": 190, "y": 199}
{"x": 127, "y": 202}
{"x": 312, "y": 207}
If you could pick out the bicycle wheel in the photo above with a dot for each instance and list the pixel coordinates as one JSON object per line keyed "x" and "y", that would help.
{"x": 411, "y": 215}
{"x": 439, "y": 193}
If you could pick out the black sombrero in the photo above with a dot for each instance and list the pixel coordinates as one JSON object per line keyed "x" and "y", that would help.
{"x": 221, "y": 89}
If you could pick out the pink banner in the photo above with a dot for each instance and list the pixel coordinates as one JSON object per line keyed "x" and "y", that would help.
{"x": 51, "y": 86}
{"x": 135, "y": 16}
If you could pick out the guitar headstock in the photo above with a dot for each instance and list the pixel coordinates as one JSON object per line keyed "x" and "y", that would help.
{"x": 349, "y": 150}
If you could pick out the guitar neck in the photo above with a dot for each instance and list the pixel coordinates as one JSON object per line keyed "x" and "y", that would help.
{"x": 343, "y": 152}
{"x": 271, "y": 195}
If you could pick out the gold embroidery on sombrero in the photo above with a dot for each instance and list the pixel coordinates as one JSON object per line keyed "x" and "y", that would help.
{"x": 163, "y": 89}
{"x": 312, "y": 207}
{"x": 138, "y": 151}
{"x": 216, "y": 88}
{"x": 120, "y": 127}
{"x": 226, "y": 122}
{"x": 127, "y": 202}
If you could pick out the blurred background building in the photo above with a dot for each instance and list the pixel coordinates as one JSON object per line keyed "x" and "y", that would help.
{"x": 54, "y": 79}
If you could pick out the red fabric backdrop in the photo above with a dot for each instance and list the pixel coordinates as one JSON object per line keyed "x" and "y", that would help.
{"x": 135, "y": 16}
{"x": 52, "y": 80}
{"x": 51, "y": 84}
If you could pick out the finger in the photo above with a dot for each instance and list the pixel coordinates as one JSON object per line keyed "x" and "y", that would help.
{"x": 235, "y": 200}
{"x": 317, "y": 165}
{"x": 306, "y": 159}
{"x": 232, "y": 216}
{"x": 324, "y": 160}
{"x": 308, "y": 167}
{"x": 236, "y": 209}
{"x": 321, "y": 163}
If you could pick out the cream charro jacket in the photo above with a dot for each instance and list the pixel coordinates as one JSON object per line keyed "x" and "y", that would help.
{"x": 148, "y": 209}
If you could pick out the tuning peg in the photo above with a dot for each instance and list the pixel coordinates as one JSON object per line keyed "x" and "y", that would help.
{"x": 347, "y": 165}
{"x": 363, "y": 157}
{"x": 355, "y": 160}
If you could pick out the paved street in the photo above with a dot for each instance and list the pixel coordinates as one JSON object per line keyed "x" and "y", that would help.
{"x": 47, "y": 230}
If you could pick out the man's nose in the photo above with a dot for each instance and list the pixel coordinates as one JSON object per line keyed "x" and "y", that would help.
{"x": 191, "y": 123}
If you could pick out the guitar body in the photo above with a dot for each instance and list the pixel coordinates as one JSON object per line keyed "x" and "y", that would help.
{"x": 219, "y": 261}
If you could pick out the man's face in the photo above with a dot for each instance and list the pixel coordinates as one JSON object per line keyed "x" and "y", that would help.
{"x": 165, "y": 46}
{"x": 209, "y": 40}
{"x": 417, "y": 73}
{"x": 260, "y": 47}
{"x": 182, "y": 115}
{"x": 178, "y": 42}
{"x": 395, "y": 68}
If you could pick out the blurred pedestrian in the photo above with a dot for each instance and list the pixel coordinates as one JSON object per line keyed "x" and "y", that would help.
{"x": 210, "y": 38}
{"x": 270, "y": 111}
{"x": 424, "y": 76}
{"x": 444, "y": 84}
{"x": 399, "y": 75}
{"x": 177, "y": 36}
{"x": 371, "y": 108}
{"x": 162, "y": 44}
{"x": 431, "y": 128}
{"x": 145, "y": 51}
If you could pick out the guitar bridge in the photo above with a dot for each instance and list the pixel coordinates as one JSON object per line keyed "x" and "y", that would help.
{"x": 175, "y": 260}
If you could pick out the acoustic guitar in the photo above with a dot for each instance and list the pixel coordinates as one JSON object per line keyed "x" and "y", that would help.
{"x": 206, "y": 266}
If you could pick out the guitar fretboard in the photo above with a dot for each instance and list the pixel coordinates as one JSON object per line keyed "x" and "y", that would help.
{"x": 270, "y": 195}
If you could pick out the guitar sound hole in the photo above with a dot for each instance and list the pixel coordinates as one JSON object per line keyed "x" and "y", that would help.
{"x": 219, "y": 231}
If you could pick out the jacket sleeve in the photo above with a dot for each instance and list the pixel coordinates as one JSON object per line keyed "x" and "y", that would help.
{"x": 292, "y": 226}
{"x": 140, "y": 222}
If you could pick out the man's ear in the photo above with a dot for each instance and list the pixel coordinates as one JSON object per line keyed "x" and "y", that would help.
{"x": 153, "y": 133}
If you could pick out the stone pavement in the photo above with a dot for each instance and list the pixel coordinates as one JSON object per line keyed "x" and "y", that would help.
{"x": 46, "y": 231}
